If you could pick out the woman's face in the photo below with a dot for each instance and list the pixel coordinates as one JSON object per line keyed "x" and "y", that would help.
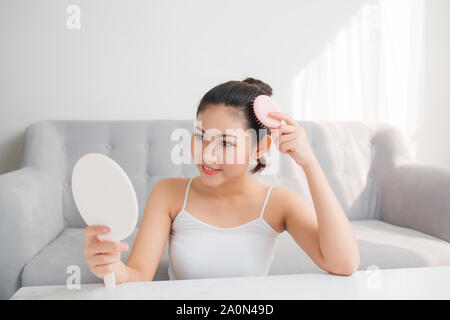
{"x": 221, "y": 141}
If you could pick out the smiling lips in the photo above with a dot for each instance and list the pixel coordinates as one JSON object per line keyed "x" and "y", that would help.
{"x": 210, "y": 171}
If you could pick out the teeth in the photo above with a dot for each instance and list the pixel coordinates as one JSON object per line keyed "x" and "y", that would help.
{"x": 209, "y": 169}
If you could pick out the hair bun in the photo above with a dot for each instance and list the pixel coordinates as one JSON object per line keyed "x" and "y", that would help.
{"x": 260, "y": 85}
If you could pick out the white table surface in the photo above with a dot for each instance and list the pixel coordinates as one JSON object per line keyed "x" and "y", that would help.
{"x": 409, "y": 283}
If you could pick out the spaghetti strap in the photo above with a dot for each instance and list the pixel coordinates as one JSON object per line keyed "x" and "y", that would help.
{"x": 186, "y": 193}
{"x": 265, "y": 202}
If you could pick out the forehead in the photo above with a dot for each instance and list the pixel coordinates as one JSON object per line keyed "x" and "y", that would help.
{"x": 220, "y": 119}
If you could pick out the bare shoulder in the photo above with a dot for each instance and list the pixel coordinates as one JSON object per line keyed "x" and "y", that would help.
{"x": 284, "y": 201}
{"x": 274, "y": 212}
{"x": 284, "y": 194}
{"x": 170, "y": 182}
{"x": 288, "y": 199}
{"x": 173, "y": 189}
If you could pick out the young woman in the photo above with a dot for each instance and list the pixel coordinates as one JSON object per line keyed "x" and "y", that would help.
{"x": 223, "y": 223}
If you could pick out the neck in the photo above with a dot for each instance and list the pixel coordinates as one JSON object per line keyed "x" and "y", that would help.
{"x": 230, "y": 189}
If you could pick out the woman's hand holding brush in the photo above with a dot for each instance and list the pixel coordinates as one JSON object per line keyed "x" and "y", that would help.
{"x": 290, "y": 138}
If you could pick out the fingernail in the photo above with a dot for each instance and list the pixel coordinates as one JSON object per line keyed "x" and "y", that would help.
{"x": 124, "y": 246}
{"x": 104, "y": 230}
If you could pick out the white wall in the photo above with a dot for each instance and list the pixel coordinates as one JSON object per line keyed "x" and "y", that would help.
{"x": 433, "y": 138}
{"x": 155, "y": 59}
{"x": 147, "y": 59}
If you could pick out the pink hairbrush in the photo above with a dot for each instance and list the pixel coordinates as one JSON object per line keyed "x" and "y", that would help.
{"x": 262, "y": 106}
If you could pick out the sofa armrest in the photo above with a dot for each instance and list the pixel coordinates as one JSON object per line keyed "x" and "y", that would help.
{"x": 30, "y": 218}
{"x": 417, "y": 196}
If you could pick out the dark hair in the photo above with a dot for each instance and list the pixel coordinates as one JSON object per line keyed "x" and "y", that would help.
{"x": 240, "y": 95}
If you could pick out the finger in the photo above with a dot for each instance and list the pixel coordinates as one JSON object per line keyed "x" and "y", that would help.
{"x": 106, "y": 247}
{"x": 91, "y": 231}
{"x": 287, "y": 146}
{"x": 104, "y": 258}
{"x": 284, "y": 116}
{"x": 287, "y": 137}
{"x": 276, "y": 132}
{"x": 283, "y": 131}
{"x": 103, "y": 269}
{"x": 91, "y": 239}
{"x": 285, "y": 128}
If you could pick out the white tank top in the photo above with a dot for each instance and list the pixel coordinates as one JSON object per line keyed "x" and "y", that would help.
{"x": 200, "y": 250}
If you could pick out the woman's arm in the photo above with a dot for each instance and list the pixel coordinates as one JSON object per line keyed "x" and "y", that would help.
{"x": 331, "y": 241}
{"x": 129, "y": 274}
{"x": 301, "y": 222}
{"x": 152, "y": 237}
{"x": 337, "y": 242}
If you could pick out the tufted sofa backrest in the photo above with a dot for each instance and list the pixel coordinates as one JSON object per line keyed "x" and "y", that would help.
{"x": 353, "y": 155}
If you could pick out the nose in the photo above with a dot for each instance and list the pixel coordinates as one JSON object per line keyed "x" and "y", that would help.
{"x": 209, "y": 153}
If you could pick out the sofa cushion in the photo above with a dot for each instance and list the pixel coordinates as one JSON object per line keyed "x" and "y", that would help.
{"x": 382, "y": 244}
{"x": 50, "y": 265}
{"x": 345, "y": 150}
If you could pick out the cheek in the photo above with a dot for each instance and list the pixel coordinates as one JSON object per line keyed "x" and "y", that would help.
{"x": 230, "y": 155}
{"x": 237, "y": 155}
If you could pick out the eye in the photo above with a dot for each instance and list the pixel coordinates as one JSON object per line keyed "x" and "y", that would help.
{"x": 198, "y": 136}
{"x": 229, "y": 144}
{"x": 224, "y": 143}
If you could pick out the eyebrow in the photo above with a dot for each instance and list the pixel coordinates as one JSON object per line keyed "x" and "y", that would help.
{"x": 223, "y": 134}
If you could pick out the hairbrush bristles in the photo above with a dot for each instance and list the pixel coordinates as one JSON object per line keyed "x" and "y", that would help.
{"x": 255, "y": 117}
{"x": 262, "y": 105}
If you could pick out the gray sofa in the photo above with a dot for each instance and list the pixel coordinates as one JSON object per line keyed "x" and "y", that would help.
{"x": 399, "y": 211}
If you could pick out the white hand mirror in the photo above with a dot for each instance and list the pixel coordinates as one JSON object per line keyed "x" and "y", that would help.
{"x": 104, "y": 195}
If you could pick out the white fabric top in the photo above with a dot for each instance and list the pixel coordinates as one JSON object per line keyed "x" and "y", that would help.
{"x": 200, "y": 250}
